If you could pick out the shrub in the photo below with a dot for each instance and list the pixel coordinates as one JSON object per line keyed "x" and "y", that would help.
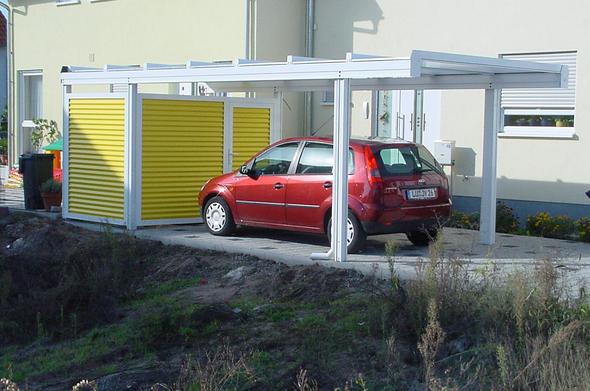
{"x": 463, "y": 220}
{"x": 506, "y": 221}
{"x": 558, "y": 227}
{"x": 583, "y": 227}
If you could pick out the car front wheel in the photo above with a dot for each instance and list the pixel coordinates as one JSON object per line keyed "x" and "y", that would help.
{"x": 218, "y": 217}
{"x": 355, "y": 235}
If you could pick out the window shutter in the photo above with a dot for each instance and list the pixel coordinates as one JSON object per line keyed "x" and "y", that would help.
{"x": 543, "y": 98}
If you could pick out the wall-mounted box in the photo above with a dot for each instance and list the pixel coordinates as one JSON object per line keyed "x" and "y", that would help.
{"x": 443, "y": 151}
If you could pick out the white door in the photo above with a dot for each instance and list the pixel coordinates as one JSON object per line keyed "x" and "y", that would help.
{"x": 429, "y": 124}
{"x": 30, "y": 106}
{"x": 394, "y": 114}
{"x": 409, "y": 115}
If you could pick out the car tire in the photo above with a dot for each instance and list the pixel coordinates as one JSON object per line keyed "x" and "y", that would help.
{"x": 218, "y": 217}
{"x": 423, "y": 237}
{"x": 356, "y": 240}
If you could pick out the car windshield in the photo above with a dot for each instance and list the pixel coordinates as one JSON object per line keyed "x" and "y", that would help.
{"x": 406, "y": 160}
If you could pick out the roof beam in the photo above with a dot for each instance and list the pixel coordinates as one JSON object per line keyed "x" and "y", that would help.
{"x": 420, "y": 58}
{"x": 148, "y": 66}
{"x": 112, "y": 67}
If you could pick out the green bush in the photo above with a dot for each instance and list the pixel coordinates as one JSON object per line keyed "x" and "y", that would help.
{"x": 463, "y": 220}
{"x": 3, "y": 146}
{"x": 506, "y": 221}
{"x": 558, "y": 227}
{"x": 583, "y": 227}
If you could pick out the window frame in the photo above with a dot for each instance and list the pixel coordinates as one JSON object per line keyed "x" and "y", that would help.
{"x": 538, "y": 132}
{"x": 26, "y": 124}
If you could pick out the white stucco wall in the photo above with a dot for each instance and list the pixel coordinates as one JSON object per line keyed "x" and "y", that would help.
{"x": 280, "y": 31}
{"x": 47, "y": 36}
{"x": 529, "y": 169}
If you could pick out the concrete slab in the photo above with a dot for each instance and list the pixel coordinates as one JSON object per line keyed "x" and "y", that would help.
{"x": 12, "y": 197}
{"x": 509, "y": 253}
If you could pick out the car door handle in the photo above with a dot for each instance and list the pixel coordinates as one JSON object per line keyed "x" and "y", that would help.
{"x": 327, "y": 185}
{"x": 278, "y": 186}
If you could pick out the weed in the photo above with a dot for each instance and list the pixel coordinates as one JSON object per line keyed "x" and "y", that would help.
{"x": 7, "y": 385}
{"x": 431, "y": 342}
{"x": 223, "y": 369}
{"x": 304, "y": 383}
{"x": 85, "y": 385}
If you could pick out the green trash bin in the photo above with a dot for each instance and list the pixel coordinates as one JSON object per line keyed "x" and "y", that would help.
{"x": 36, "y": 169}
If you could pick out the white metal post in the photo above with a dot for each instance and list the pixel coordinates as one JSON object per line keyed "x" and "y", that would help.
{"x": 131, "y": 182}
{"x": 65, "y": 154}
{"x": 340, "y": 181}
{"x": 487, "y": 228}
{"x": 277, "y": 117}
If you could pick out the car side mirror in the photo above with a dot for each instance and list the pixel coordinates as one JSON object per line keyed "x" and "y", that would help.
{"x": 247, "y": 170}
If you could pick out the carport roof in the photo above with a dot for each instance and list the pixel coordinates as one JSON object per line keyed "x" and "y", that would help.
{"x": 422, "y": 70}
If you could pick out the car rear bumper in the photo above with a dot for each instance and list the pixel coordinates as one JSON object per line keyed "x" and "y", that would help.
{"x": 407, "y": 219}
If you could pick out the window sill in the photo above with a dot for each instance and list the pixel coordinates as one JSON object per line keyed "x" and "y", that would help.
{"x": 66, "y": 2}
{"x": 538, "y": 132}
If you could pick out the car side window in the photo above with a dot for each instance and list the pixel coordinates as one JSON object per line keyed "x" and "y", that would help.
{"x": 318, "y": 158}
{"x": 276, "y": 161}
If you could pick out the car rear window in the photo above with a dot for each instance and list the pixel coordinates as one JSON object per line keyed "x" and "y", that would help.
{"x": 406, "y": 160}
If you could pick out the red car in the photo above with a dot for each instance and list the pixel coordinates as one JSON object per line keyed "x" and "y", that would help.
{"x": 393, "y": 187}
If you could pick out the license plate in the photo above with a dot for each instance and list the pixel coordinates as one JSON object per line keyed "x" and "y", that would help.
{"x": 422, "y": 194}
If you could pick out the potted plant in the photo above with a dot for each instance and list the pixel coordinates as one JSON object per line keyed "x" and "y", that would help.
{"x": 44, "y": 130}
{"x": 560, "y": 122}
{"x": 51, "y": 193}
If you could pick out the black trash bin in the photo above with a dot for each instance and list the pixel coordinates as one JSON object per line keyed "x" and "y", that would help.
{"x": 36, "y": 169}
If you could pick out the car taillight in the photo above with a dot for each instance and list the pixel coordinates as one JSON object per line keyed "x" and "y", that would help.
{"x": 373, "y": 173}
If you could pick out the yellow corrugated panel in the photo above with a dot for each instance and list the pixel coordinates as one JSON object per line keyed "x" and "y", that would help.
{"x": 182, "y": 147}
{"x": 96, "y": 162}
{"x": 251, "y": 133}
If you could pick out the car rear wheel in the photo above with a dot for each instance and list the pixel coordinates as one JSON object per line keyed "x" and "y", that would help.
{"x": 355, "y": 235}
{"x": 422, "y": 238}
{"x": 218, "y": 217}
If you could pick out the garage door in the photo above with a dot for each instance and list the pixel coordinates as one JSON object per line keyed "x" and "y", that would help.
{"x": 251, "y": 133}
{"x": 182, "y": 147}
{"x": 96, "y": 158}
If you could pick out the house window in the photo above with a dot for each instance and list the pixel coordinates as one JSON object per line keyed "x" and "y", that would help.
{"x": 30, "y": 106}
{"x": 327, "y": 98}
{"x": 541, "y": 112}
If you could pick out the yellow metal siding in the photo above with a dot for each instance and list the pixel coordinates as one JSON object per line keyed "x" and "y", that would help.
{"x": 182, "y": 147}
{"x": 96, "y": 160}
{"x": 251, "y": 133}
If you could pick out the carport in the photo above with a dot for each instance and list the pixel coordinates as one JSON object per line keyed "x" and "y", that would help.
{"x": 421, "y": 71}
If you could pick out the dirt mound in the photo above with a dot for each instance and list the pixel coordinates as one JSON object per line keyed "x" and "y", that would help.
{"x": 58, "y": 279}
{"x": 310, "y": 282}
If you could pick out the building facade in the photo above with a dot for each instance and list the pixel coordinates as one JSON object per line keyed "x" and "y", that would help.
{"x": 543, "y": 143}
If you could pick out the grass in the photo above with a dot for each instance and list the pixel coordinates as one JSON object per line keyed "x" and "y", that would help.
{"x": 97, "y": 343}
{"x": 162, "y": 320}
{"x": 448, "y": 329}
